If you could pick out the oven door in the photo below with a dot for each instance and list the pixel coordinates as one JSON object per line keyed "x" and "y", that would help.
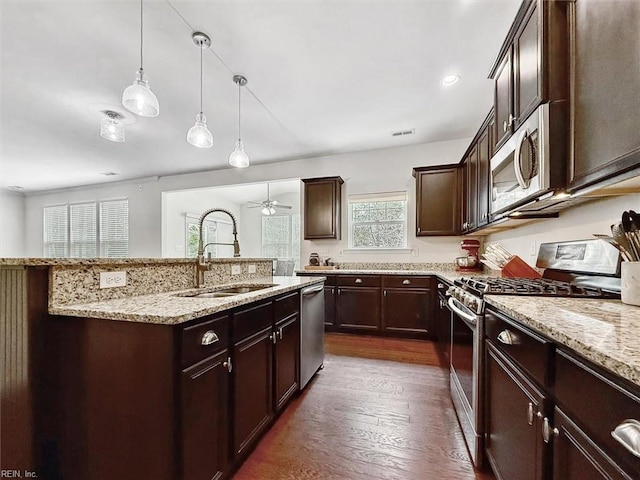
{"x": 465, "y": 374}
{"x": 518, "y": 170}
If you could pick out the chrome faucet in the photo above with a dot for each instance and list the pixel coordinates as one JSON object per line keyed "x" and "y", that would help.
{"x": 202, "y": 265}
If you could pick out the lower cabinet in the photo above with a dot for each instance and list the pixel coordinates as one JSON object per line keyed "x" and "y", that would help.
{"x": 204, "y": 426}
{"x": 169, "y": 402}
{"x": 407, "y": 305}
{"x": 358, "y": 308}
{"x": 513, "y": 439}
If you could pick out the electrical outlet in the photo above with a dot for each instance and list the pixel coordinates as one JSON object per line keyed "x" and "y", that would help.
{"x": 534, "y": 248}
{"x": 415, "y": 252}
{"x": 113, "y": 279}
{"x": 252, "y": 268}
{"x": 236, "y": 269}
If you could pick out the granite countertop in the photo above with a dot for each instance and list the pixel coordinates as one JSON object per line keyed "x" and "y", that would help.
{"x": 605, "y": 332}
{"x": 169, "y": 308}
{"x": 37, "y": 261}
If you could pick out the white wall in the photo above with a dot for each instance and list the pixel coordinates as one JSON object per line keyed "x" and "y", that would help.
{"x": 12, "y": 224}
{"x": 370, "y": 171}
{"x": 177, "y": 204}
{"x": 576, "y": 224}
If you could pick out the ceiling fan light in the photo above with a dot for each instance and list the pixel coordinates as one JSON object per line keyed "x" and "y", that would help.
{"x": 139, "y": 99}
{"x": 111, "y": 129}
{"x": 238, "y": 157}
{"x": 199, "y": 135}
{"x": 266, "y": 211}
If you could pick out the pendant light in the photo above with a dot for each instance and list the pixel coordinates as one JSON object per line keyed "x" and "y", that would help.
{"x": 238, "y": 157}
{"x": 138, "y": 98}
{"x": 199, "y": 135}
{"x": 111, "y": 128}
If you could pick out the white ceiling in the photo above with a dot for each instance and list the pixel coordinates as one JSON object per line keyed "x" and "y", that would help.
{"x": 246, "y": 192}
{"x": 324, "y": 77}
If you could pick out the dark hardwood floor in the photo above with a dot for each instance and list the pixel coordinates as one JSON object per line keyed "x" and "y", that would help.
{"x": 380, "y": 409}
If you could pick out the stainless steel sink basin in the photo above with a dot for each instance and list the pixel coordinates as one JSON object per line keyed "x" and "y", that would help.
{"x": 228, "y": 292}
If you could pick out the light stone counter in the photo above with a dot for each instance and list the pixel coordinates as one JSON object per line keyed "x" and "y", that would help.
{"x": 606, "y": 332}
{"x": 169, "y": 308}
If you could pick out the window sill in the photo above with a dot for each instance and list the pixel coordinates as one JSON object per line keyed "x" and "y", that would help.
{"x": 377, "y": 250}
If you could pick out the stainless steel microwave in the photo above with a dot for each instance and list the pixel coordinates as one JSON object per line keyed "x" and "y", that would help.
{"x": 520, "y": 168}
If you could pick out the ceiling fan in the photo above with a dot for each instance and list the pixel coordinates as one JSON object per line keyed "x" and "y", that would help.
{"x": 268, "y": 206}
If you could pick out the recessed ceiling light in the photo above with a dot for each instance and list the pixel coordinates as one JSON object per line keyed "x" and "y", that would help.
{"x": 450, "y": 80}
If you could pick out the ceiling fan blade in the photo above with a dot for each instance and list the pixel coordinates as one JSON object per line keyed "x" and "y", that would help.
{"x": 283, "y": 206}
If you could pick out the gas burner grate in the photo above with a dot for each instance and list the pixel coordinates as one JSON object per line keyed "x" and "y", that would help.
{"x": 535, "y": 287}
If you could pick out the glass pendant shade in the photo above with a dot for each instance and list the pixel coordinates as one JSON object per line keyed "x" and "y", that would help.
{"x": 111, "y": 129}
{"x": 238, "y": 157}
{"x": 139, "y": 99}
{"x": 268, "y": 210}
{"x": 199, "y": 135}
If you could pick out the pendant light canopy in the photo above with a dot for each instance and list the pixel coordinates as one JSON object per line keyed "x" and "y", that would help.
{"x": 138, "y": 97}
{"x": 239, "y": 157}
{"x": 111, "y": 128}
{"x": 199, "y": 135}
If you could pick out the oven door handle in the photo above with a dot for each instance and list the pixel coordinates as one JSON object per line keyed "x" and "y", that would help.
{"x": 461, "y": 313}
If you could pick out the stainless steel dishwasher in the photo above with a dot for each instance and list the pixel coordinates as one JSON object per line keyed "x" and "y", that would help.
{"x": 311, "y": 332}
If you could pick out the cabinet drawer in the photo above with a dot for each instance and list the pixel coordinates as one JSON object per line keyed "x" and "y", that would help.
{"x": 529, "y": 351}
{"x": 203, "y": 339}
{"x": 251, "y": 320}
{"x": 359, "y": 281}
{"x": 408, "y": 281}
{"x": 286, "y": 305}
{"x": 597, "y": 404}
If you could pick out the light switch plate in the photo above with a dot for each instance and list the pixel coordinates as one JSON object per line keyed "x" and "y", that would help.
{"x": 252, "y": 268}
{"x": 235, "y": 269}
{"x": 113, "y": 279}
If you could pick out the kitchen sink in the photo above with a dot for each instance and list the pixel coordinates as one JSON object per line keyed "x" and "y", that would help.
{"x": 228, "y": 292}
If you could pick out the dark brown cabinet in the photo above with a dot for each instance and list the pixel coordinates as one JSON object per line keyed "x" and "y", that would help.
{"x": 204, "y": 426}
{"x": 531, "y": 67}
{"x": 358, "y": 303}
{"x": 605, "y": 86}
{"x": 286, "y": 338}
{"x": 407, "y": 305}
{"x": 513, "y": 439}
{"x": 322, "y": 208}
{"x": 438, "y": 198}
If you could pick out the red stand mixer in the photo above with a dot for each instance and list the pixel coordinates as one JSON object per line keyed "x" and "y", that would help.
{"x": 470, "y": 263}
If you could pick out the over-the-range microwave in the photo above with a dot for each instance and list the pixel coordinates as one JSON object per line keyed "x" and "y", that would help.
{"x": 521, "y": 170}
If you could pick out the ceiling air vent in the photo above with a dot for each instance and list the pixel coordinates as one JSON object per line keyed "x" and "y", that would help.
{"x": 402, "y": 133}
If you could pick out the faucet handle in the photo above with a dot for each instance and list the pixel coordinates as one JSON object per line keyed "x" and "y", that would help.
{"x": 209, "y": 256}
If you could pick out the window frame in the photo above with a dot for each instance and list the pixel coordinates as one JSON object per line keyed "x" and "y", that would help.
{"x": 379, "y": 197}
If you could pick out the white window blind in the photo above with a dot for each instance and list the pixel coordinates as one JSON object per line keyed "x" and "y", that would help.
{"x": 281, "y": 237}
{"x": 55, "y": 231}
{"x": 114, "y": 228}
{"x": 89, "y": 229}
{"x": 378, "y": 220}
{"x": 83, "y": 230}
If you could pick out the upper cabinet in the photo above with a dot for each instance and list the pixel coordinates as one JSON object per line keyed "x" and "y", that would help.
{"x": 322, "y": 207}
{"x": 438, "y": 197}
{"x": 531, "y": 66}
{"x": 605, "y": 84}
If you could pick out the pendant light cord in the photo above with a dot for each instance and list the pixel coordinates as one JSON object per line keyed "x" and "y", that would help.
{"x": 201, "y": 47}
{"x": 141, "y": 37}
{"x": 239, "y": 96}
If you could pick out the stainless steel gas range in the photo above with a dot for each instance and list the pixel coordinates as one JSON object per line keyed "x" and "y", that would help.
{"x": 581, "y": 269}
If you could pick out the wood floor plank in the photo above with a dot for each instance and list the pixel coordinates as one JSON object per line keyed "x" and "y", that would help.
{"x": 380, "y": 410}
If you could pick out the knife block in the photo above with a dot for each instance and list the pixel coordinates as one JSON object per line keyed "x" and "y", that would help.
{"x": 518, "y": 268}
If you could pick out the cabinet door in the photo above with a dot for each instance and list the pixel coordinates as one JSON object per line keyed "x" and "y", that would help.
{"x": 484, "y": 156}
{"x": 513, "y": 435}
{"x": 287, "y": 353}
{"x": 253, "y": 388}
{"x": 472, "y": 189}
{"x": 204, "y": 419}
{"x": 322, "y": 208}
{"x": 527, "y": 62}
{"x": 437, "y": 200}
{"x": 407, "y": 311}
{"x": 443, "y": 329}
{"x": 358, "y": 308}
{"x": 329, "y": 308}
{"x": 606, "y": 82}
{"x": 576, "y": 457}
{"x": 503, "y": 100}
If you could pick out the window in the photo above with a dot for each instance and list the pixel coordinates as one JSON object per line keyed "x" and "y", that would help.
{"x": 213, "y": 230}
{"x": 378, "y": 220}
{"x": 281, "y": 237}
{"x": 90, "y": 229}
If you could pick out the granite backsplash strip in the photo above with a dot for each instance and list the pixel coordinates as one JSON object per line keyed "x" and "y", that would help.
{"x": 395, "y": 266}
{"x": 73, "y": 283}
